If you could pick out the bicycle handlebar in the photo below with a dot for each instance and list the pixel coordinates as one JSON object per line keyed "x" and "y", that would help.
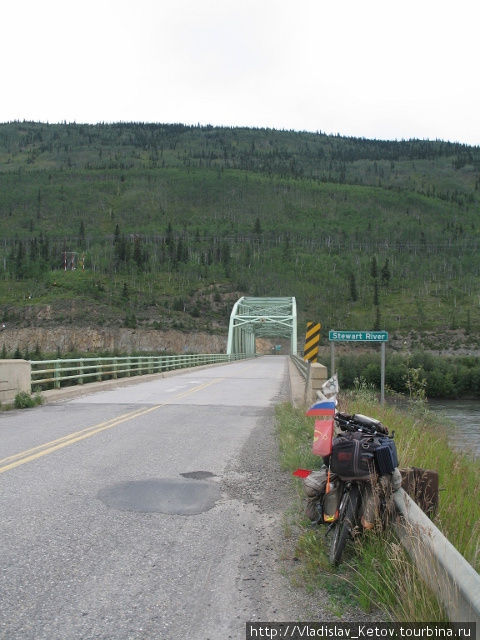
{"x": 360, "y": 423}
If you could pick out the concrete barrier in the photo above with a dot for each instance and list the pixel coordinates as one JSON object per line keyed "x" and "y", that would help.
{"x": 15, "y": 376}
{"x": 443, "y": 568}
{"x": 316, "y": 376}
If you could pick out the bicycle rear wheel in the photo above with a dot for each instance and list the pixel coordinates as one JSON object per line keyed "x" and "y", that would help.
{"x": 344, "y": 525}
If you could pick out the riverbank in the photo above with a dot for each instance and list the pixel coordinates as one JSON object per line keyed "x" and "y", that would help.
{"x": 416, "y": 374}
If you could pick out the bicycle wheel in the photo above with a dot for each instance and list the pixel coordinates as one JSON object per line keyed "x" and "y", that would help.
{"x": 344, "y": 524}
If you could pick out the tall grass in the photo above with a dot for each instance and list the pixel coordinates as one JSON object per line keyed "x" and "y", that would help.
{"x": 422, "y": 441}
{"x": 379, "y": 573}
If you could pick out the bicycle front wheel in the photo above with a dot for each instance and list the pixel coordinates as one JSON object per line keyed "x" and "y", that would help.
{"x": 344, "y": 525}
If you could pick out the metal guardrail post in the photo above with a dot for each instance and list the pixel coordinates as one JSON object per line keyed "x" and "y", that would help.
{"x": 57, "y": 375}
{"x": 80, "y": 372}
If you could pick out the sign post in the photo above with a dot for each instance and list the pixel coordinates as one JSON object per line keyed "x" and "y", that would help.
{"x": 360, "y": 336}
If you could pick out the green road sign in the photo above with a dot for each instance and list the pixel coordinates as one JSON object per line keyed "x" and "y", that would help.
{"x": 358, "y": 336}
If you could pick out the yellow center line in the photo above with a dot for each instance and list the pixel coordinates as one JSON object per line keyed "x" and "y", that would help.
{"x": 130, "y": 414}
{"x": 49, "y": 447}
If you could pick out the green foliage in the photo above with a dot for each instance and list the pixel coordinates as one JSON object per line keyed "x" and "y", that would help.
{"x": 353, "y": 288}
{"x": 415, "y": 383}
{"x": 171, "y": 209}
{"x": 419, "y": 376}
{"x": 130, "y": 320}
{"x": 385, "y": 275}
{"x": 24, "y": 400}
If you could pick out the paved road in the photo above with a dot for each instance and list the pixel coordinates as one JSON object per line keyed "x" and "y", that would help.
{"x": 134, "y": 513}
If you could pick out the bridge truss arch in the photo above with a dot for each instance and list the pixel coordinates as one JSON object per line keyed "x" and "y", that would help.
{"x": 261, "y": 317}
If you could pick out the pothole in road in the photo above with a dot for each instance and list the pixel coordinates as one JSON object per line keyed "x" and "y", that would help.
{"x": 198, "y": 475}
{"x": 162, "y": 495}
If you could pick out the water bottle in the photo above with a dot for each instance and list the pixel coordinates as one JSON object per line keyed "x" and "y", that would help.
{"x": 330, "y": 502}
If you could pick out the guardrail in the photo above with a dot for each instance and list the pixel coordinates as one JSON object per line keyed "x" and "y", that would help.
{"x": 301, "y": 364}
{"x": 52, "y": 373}
{"x": 443, "y": 568}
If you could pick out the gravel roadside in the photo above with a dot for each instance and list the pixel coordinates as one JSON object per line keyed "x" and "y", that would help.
{"x": 266, "y": 582}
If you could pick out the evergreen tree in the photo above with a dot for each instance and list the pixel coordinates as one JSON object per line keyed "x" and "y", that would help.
{"x": 353, "y": 288}
{"x": 39, "y": 204}
{"x": 121, "y": 250}
{"x": 169, "y": 235}
{"x": 138, "y": 253}
{"x": 81, "y": 235}
{"x": 286, "y": 250}
{"x": 44, "y": 248}
{"x": 257, "y": 228}
{"x": 376, "y": 324}
{"x": 225, "y": 255}
{"x": 33, "y": 249}
{"x": 20, "y": 260}
{"x": 180, "y": 254}
{"x": 385, "y": 273}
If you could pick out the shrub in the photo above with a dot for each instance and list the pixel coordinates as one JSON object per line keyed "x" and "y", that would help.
{"x": 439, "y": 376}
{"x": 24, "y": 400}
{"x": 130, "y": 320}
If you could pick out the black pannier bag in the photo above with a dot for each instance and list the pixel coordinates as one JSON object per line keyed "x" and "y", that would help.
{"x": 358, "y": 456}
{"x": 386, "y": 456}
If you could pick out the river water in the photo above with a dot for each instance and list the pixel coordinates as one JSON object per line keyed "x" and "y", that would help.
{"x": 464, "y": 434}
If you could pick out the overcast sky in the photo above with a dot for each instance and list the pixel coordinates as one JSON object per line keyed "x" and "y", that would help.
{"x": 387, "y": 69}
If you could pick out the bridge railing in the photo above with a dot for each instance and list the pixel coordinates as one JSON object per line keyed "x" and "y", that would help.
{"x": 55, "y": 373}
{"x": 301, "y": 364}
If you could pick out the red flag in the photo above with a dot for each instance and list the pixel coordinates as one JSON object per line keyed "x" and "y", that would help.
{"x": 302, "y": 473}
{"x": 322, "y": 437}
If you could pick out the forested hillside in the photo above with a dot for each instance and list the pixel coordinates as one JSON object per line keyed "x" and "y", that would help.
{"x": 166, "y": 225}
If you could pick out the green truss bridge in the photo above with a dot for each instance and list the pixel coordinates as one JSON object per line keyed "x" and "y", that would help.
{"x": 252, "y": 318}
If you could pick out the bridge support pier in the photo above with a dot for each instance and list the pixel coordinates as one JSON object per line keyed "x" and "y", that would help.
{"x": 316, "y": 376}
{"x": 15, "y": 376}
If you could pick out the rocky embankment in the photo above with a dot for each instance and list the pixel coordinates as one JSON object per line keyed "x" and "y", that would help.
{"x": 82, "y": 339}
